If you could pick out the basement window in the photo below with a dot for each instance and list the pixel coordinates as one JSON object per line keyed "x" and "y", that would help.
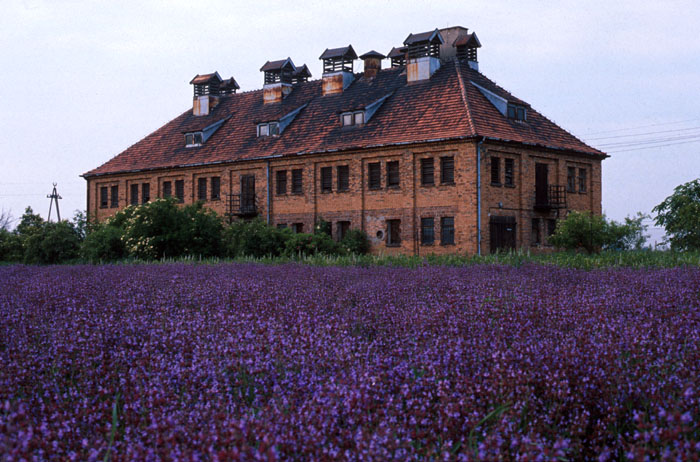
{"x": 269, "y": 129}
{"x": 517, "y": 112}
{"x": 349, "y": 119}
{"x": 193, "y": 139}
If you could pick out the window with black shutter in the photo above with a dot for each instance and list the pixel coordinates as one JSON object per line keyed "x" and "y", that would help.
{"x": 134, "y": 194}
{"x": 326, "y": 179}
{"x": 114, "y": 199}
{"x": 535, "y": 235}
{"x": 447, "y": 170}
{"x": 342, "y": 228}
{"x": 167, "y": 189}
{"x": 374, "y": 175}
{"x": 392, "y": 174}
{"x": 202, "y": 189}
{"x": 145, "y": 193}
{"x": 297, "y": 181}
{"x": 393, "y": 232}
{"x": 582, "y": 183}
{"x": 281, "y": 225}
{"x": 343, "y": 172}
{"x": 509, "y": 172}
{"x": 281, "y": 182}
{"x": 215, "y": 188}
{"x": 427, "y": 171}
{"x": 571, "y": 179}
{"x": 427, "y": 231}
{"x": 551, "y": 226}
{"x": 495, "y": 171}
{"x": 298, "y": 227}
{"x": 447, "y": 230}
{"x": 180, "y": 190}
{"x": 104, "y": 199}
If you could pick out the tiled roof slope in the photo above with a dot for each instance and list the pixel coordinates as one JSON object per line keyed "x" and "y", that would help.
{"x": 435, "y": 109}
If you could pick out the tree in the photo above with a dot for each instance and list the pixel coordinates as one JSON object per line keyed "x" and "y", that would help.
{"x": 629, "y": 235}
{"x": 5, "y": 220}
{"x": 580, "y": 230}
{"x": 679, "y": 214}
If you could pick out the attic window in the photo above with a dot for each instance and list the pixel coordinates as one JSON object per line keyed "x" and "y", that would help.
{"x": 269, "y": 129}
{"x": 352, "y": 118}
{"x": 517, "y": 113}
{"x": 193, "y": 139}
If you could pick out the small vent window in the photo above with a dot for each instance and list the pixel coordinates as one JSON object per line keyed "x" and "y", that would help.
{"x": 269, "y": 129}
{"x": 349, "y": 119}
{"x": 517, "y": 113}
{"x": 193, "y": 139}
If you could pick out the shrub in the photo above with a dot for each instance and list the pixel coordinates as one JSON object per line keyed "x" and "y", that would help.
{"x": 302, "y": 244}
{"x": 53, "y": 243}
{"x": 580, "y": 230}
{"x": 11, "y": 249}
{"x": 628, "y": 235}
{"x": 254, "y": 238}
{"x": 356, "y": 241}
{"x": 103, "y": 243}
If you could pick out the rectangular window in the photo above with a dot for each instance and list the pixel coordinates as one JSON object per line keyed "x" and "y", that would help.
{"x": 582, "y": 183}
{"x": 571, "y": 179}
{"x": 193, "y": 139}
{"x": 393, "y": 232}
{"x": 180, "y": 190}
{"x": 427, "y": 171}
{"x": 326, "y": 179}
{"x": 495, "y": 171}
{"x": 343, "y": 172}
{"x": 201, "y": 189}
{"x": 347, "y": 119}
{"x": 263, "y": 130}
{"x": 281, "y": 225}
{"x": 114, "y": 199}
{"x": 298, "y": 227}
{"x": 392, "y": 174}
{"x": 427, "y": 231}
{"x": 297, "y": 182}
{"x": 281, "y": 182}
{"x": 167, "y": 189}
{"x": 145, "y": 192}
{"x": 215, "y": 188}
{"x": 447, "y": 230}
{"x": 536, "y": 238}
{"x": 274, "y": 128}
{"x": 134, "y": 196}
{"x": 374, "y": 175}
{"x": 104, "y": 199}
{"x": 509, "y": 172}
{"x": 359, "y": 118}
{"x": 447, "y": 170}
{"x": 551, "y": 226}
{"x": 342, "y": 228}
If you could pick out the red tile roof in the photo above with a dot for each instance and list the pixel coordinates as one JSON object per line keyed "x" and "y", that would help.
{"x": 448, "y": 106}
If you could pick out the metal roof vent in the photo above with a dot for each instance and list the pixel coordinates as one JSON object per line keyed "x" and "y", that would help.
{"x": 373, "y": 63}
{"x": 423, "y": 54}
{"x": 278, "y": 80}
{"x": 398, "y": 56}
{"x": 337, "y": 69}
{"x": 208, "y": 88}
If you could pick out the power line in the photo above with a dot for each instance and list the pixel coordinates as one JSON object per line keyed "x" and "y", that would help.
{"x": 643, "y": 134}
{"x": 641, "y": 126}
{"x": 649, "y": 141}
{"x": 657, "y": 146}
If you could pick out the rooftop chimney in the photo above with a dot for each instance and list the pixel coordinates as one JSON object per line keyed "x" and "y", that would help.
{"x": 398, "y": 56}
{"x": 373, "y": 63}
{"x": 423, "y": 55}
{"x": 302, "y": 74}
{"x": 337, "y": 69}
{"x": 278, "y": 80}
{"x": 208, "y": 88}
{"x": 466, "y": 46}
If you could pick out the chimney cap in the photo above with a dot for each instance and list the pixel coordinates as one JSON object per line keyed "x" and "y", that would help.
{"x": 206, "y": 79}
{"x": 302, "y": 71}
{"x": 372, "y": 54}
{"x": 271, "y": 66}
{"x": 335, "y": 53}
{"x": 430, "y": 37}
{"x": 468, "y": 40}
{"x": 230, "y": 84}
{"x": 397, "y": 52}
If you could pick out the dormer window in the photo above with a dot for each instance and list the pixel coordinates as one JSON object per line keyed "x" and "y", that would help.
{"x": 269, "y": 129}
{"x": 352, "y": 118}
{"x": 193, "y": 139}
{"x": 517, "y": 113}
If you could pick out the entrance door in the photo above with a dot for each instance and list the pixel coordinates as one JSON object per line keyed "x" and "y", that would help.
{"x": 248, "y": 194}
{"x": 541, "y": 184}
{"x": 502, "y": 233}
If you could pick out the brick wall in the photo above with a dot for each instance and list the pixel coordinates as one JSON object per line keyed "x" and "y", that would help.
{"x": 369, "y": 209}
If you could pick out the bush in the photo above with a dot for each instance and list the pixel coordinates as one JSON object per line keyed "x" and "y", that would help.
{"x": 356, "y": 241}
{"x": 53, "y": 243}
{"x": 103, "y": 243}
{"x": 628, "y": 235}
{"x": 303, "y": 244}
{"x": 254, "y": 238}
{"x": 11, "y": 249}
{"x": 583, "y": 230}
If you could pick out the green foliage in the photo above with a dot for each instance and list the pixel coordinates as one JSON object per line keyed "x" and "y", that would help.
{"x": 323, "y": 227}
{"x": 53, "y": 243}
{"x": 11, "y": 249}
{"x": 585, "y": 231}
{"x": 254, "y": 238}
{"x": 103, "y": 243}
{"x": 679, "y": 214}
{"x": 312, "y": 244}
{"x": 356, "y": 241}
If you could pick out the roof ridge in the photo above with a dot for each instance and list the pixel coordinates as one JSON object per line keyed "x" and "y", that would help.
{"x": 463, "y": 92}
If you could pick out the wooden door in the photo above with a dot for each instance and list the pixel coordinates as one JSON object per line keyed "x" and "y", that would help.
{"x": 248, "y": 193}
{"x": 502, "y": 233}
{"x": 541, "y": 184}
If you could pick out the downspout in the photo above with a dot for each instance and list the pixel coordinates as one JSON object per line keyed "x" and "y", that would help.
{"x": 269, "y": 193}
{"x": 478, "y": 195}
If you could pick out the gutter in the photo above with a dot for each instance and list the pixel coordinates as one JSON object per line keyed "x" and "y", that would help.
{"x": 269, "y": 193}
{"x": 478, "y": 195}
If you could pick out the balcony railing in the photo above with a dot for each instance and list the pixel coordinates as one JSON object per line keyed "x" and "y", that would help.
{"x": 552, "y": 197}
{"x": 242, "y": 205}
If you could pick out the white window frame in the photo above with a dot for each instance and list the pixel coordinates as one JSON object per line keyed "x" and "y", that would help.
{"x": 194, "y": 142}
{"x": 352, "y": 118}
{"x": 269, "y": 129}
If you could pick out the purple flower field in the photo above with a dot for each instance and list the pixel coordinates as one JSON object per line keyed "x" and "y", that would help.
{"x": 233, "y": 361}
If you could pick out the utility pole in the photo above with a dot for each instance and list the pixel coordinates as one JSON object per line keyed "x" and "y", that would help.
{"x": 54, "y": 198}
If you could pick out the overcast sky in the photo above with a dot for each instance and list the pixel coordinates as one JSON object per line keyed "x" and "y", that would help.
{"x": 81, "y": 81}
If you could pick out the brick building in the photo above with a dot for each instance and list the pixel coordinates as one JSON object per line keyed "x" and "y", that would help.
{"x": 427, "y": 155}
